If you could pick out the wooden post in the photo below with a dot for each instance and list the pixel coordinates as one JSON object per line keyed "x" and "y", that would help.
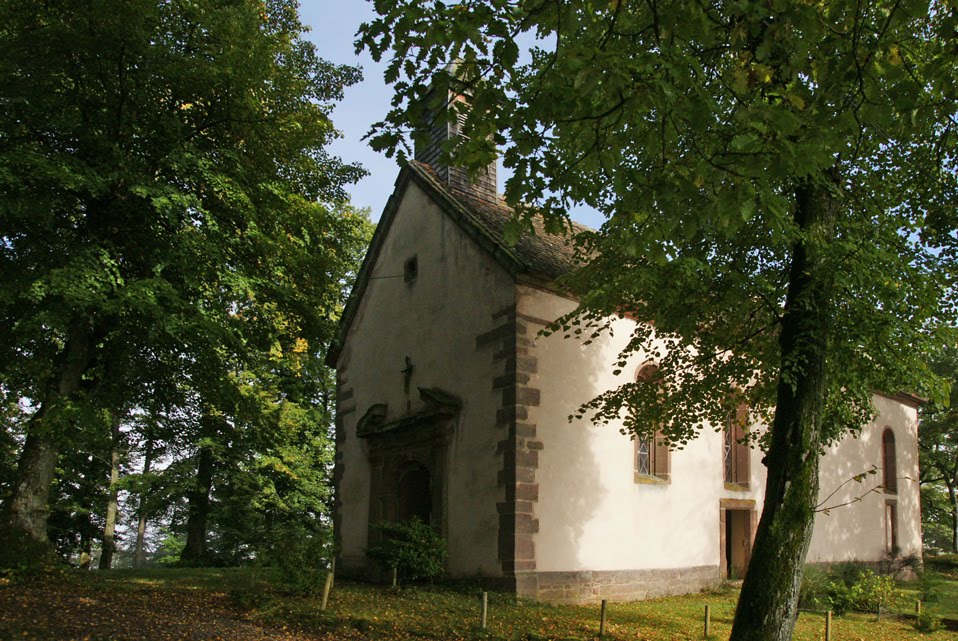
{"x": 602, "y": 619}
{"x": 918, "y": 607}
{"x": 326, "y": 588}
{"x": 879, "y": 613}
{"x": 828, "y": 626}
{"x": 395, "y": 577}
{"x": 708, "y": 621}
{"x": 484, "y": 614}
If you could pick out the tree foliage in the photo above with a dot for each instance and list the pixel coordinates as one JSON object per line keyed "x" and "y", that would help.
{"x": 412, "y": 549}
{"x": 690, "y": 128}
{"x": 778, "y": 181}
{"x": 938, "y": 452}
{"x": 168, "y": 208}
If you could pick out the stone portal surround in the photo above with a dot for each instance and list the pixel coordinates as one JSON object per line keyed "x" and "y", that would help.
{"x": 513, "y": 345}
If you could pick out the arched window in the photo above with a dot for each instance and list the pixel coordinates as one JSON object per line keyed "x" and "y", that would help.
{"x": 735, "y": 449}
{"x": 652, "y": 455}
{"x": 888, "y": 463}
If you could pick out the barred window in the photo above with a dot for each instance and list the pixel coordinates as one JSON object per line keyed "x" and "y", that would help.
{"x": 652, "y": 455}
{"x": 643, "y": 455}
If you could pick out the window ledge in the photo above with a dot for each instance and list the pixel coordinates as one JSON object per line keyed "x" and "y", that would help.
{"x": 649, "y": 479}
{"x": 737, "y": 487}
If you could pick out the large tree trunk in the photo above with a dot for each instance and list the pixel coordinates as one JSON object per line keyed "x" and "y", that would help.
{"x": 109, "y": 528}
{"x": 768, "y": 605}
{"x": 195, "y": 550}
{"x": 29, "y": 505}
{"x": 24, "y": 528}
{"x": 139, "y": 555}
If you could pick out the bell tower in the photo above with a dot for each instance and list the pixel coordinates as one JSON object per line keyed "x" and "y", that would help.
{"x": 442, "y": 129}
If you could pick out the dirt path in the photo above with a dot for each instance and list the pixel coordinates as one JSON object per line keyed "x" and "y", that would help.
{"x": 64, "y": 610}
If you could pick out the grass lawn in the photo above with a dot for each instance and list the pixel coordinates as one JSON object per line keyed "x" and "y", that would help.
{"x": 944, "y": 574}
{"x": 425, "y": 612}
{"x": 364, "y": 611}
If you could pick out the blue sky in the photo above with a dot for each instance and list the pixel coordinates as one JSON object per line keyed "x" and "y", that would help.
{"x": 333, "y": 25}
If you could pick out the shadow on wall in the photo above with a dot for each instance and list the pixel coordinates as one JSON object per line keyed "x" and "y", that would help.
{"x": 571, "y": 490}
{"x": 909, "y": 510}
{"x": 851, "y": 524}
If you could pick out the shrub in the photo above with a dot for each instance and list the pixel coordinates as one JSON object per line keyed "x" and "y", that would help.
{"x": 927, "y": 622}
{"x": 929, "y": 586}
{"x": 170, "y": 548}
{"x": 813, "y": 593}
{"x": 873, "y": 592}
{"x": 300, "y": 558}
{"x": 413, "y": 548}
{"x": 846, "y": 587}
{"x": 847, "y": 573}
{"x": 903, "y": 567}
{"x": 839, "y": 597}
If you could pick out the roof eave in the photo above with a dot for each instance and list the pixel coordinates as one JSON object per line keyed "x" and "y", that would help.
{"x": 362, "y": 276}
{"x": 906, "y": 398}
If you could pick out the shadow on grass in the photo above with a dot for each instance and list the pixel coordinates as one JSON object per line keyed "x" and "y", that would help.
{"x": 364, "y": 611}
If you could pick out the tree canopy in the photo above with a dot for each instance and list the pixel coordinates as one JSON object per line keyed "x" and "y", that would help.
{"x": 938, "y": 451}
{"x": 778, "y": 181}
{"x": 168, "y": 213}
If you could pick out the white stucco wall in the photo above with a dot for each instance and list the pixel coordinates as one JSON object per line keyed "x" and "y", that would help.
{"x": 593, "y": 516}
{"x": 591, "y": 513}
{"x": 434, "y": 321}
{"x": 856, "y": 532}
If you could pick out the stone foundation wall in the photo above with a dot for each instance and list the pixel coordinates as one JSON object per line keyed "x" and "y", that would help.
{"x": 615, "y": 585}
{"x": 903, "y": 569}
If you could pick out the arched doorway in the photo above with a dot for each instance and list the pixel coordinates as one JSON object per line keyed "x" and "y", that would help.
{"x": 414, "y": 495}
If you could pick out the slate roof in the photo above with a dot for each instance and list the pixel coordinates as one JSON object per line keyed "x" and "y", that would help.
{"x": 540, "y": 258}
{"x": 541, "y": 254}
